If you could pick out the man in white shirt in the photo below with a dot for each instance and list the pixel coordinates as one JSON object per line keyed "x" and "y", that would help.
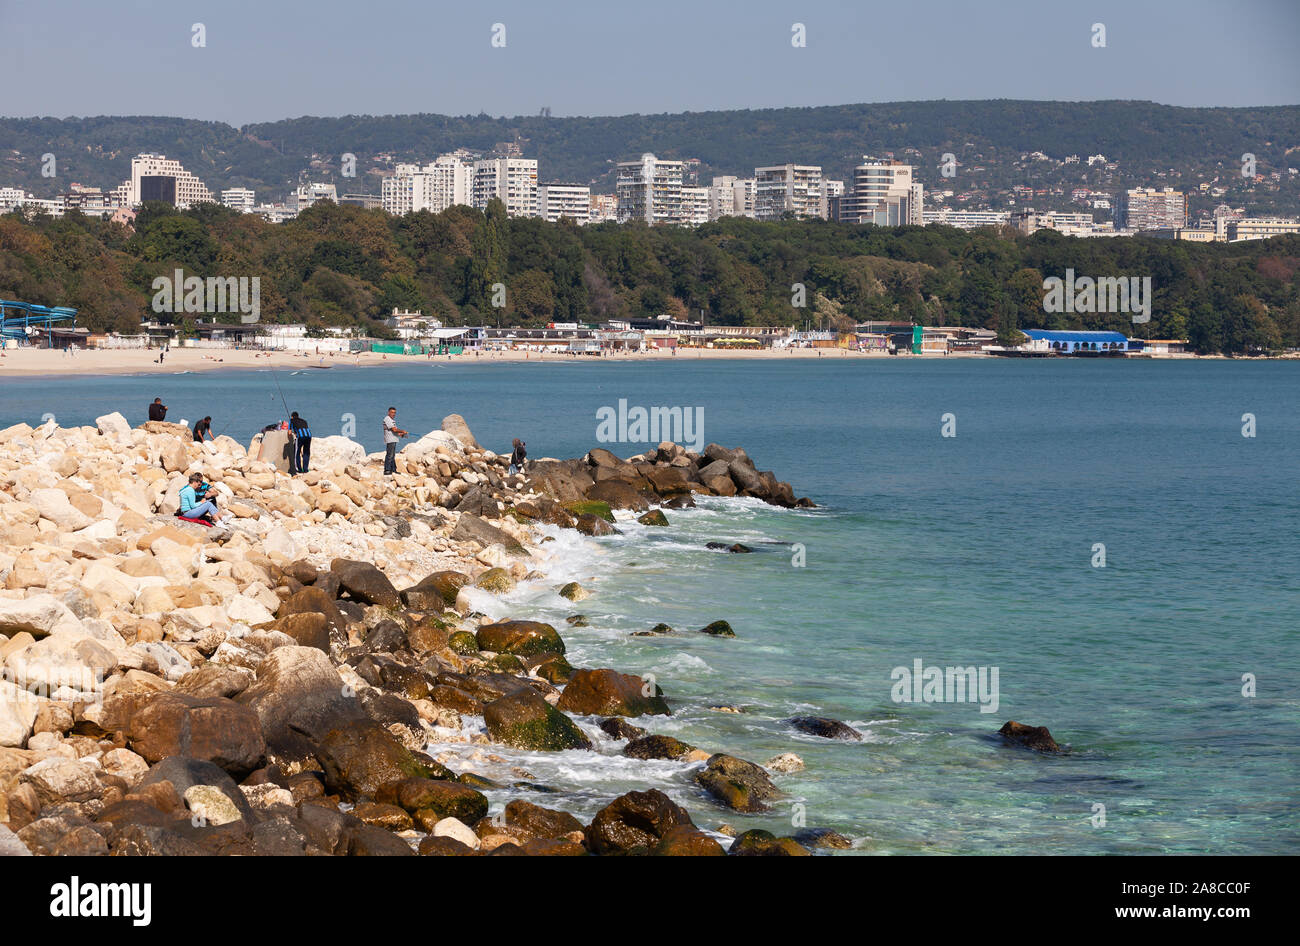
{"x": 391, "y": 434}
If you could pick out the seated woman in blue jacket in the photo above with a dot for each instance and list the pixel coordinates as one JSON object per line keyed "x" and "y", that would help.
{"x": 193, "y": 503}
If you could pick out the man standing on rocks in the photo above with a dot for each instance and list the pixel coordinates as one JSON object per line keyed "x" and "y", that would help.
{"x": 391, "y": 434}
{"x": 202, "y": 429}
{"x": 300, "y": 450}
{"x": 157, "y": 410}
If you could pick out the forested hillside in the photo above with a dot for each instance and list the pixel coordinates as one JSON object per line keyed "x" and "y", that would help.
{"x": 343, "y": 265}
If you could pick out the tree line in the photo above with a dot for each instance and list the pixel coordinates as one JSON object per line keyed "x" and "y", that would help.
{"x": 345, "y": 266}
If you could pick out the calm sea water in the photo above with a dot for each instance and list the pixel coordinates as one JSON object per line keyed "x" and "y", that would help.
{"x": 973, "y": 550}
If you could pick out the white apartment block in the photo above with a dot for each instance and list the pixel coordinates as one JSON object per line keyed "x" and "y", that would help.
{"x": 695, "y": 205}
{"x": 1146, "y": 208}
{"x": 513, "y": 181}
{"x": 11, "y": 198}
{"x": 650, "y": 190}
{"x": 731, "y": 196}
{"x": 966, "y": 219}
{"x": 564, "y": 200}
{"x": 238, "y": 198}
{"x": 435, "y": 187}
{"x": 882, "y": 193}
{"x": 788, "y": 189}
{"x": 1260, "y": 228}
{"x": 308, "y": 194}
{"x": 154, "y": 177}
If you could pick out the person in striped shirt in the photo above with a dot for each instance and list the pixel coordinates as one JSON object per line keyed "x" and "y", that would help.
{"x": 300, "y": 451}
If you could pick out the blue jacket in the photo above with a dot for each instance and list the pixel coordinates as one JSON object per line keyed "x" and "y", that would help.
{"x": 189, "y": 499}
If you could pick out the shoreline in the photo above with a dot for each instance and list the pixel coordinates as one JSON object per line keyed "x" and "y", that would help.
{"x": 39, "y": 362}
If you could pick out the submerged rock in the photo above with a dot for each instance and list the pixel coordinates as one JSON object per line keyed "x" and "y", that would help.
{"x": 656, "y": 747}
{"x": 1031, "y": 737}
{"x": 574, "y": 591}
{"x": 825, "y": 727}
{"x": 759, "y": 843}
{"x": 654, "y": 517}
{"x": 740, "y": 785}
{"x": 718, "y": 629}
{"x": 606, "y": 692}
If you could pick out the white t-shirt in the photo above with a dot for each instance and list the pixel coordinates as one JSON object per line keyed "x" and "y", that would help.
{"x": 389, "y": 426}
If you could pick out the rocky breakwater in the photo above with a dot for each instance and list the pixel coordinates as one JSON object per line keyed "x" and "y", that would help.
{"x": 270, "y": 686}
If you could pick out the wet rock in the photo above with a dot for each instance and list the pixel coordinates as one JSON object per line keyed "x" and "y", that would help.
{"x": 574, "y": 592}
{"x": 365, "y": 583}
{"x": 684, "y": 841}
{"x": 737, "y": 784}
{"x": 577, "y": 620}
{"x": 472, "y": 528}
{"x": 182, "y": 774}
{"x": 555, "y": 670}
{"x": 606, "y": 692}
{"x": 435, "y": 592}
{"x": 526, "y": 721}
{"x": 825, "y": 727}
{"x": 534, "y": 821}
{"x": 521, "y": 638}
{"x": 495, "y": 581}
{"x": 823, "y": 838}
{"x": 1037, "y": 738}
{"x": 463, "y": 642}
{"x": 431, "y": 800}
{"x": 388, "y": 817}
{"x": 635, "y": 823}
{"x": 360, "y": 757}
{"x": 594, "y": 526}
{"x": 366, "y": 840}
{"x": 656, "y": 747}
{"x": 619, "y": 728}
{"x": 735, "y": 547}
{"x": 617, "y": 494}
{"x": 654, "y": 517}
{"x": 718, "y": 629}
{"x": 759, "y": 843}
{"x": 785, "y": 763}
{"x": 436, "y": 846}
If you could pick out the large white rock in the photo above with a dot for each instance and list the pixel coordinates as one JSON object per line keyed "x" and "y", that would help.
{"x": 17, "y": 714}
{"x": 62, "y": 667}
{"x": 278, "y": 541}
{"x": 249, "y": 611}
{"x": 335, "y": 451}
{"x": 430, "y": 442}
{"x": 114, "y": 426}
{"x": 455, "y": 425}
{"x": 53, "y": 505}
{"x": 10, "y": 846}
{"x": 39, "y": 615}
{"x": 457, "y": 830}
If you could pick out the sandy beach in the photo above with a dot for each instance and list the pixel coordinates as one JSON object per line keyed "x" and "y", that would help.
{"x": 42, "y": 361}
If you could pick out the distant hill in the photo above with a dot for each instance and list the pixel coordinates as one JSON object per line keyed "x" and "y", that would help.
{"x": 1149, "y": 144}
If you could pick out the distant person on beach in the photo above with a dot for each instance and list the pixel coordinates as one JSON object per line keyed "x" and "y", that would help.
{"x": 391, "y": 433}
{"x": 157, "y": 410}
{"x": 203, "y": 428}
{"x": 195, "y": 503}
{"x": 300, "y": 451}
{"x": 518, "y": 457}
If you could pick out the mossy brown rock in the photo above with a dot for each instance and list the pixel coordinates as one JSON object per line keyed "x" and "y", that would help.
{"x": 591, "y": 507}
{"x": 656, "y": 747}
{"x": 524, "y": 720}
{"x": 619, "y": 728}
{"x": 426, "y": 798}
{"x": 309, "y": 628}
{"x": 740, "y": 785}
{"x": 617, "y": 494}
{"x": 655, "y": 517}
{"x": 360, "y": 757}
{"x": 684, "y": 841}
{"x": 427, "y": 635}
{"x": 495, "y": 580}
{"x": 718, "y": 629}
{"x": 606, "y": 692}
{"x": 463, "y": 643}
{"x": 574, "y": 591}
{"x": 438, "y": 846}
{"x": 534, "y": 821}
{"x": 759, "y": 843}
{"x": 521, "y": 638}
{"x": 555, "y": 670}
{"x": 506, "y": 663}
{"x": 435, "y": 592}
{"x": 1037, "y": 738}
{"x": 635, "y": 823}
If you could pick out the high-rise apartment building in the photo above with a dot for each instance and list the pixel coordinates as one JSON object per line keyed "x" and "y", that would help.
{"x": 154, "y": 177}
{"x": 564, "y": 200}
{"x": 448, "y": 180}
{"x": 695, "y": 205}
{"x": 1146, "y": 208}
{"x": 307, "y": 194}
{"x": 794, "y": 189}
{"x": 882, "y": 193}
{"x": 650, "y": 190}
{"x": 238, "y": 198}
{"x": 513, "y": 181}
{"x": 731, "y": 196}
{"x": 604, "y": 208}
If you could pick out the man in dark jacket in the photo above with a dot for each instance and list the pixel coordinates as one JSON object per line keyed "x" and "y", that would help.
{"x": 300, "y": 451}
{"x": 157, "y": 410}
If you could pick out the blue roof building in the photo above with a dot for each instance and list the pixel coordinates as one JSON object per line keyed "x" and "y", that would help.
{"x": 1069, "y": 343}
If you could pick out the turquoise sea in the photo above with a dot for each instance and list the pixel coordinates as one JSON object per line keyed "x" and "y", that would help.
{"x": 971, "y": 550}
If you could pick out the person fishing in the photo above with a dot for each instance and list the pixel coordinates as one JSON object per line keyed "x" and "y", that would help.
{"x": 518, "y": 456}
{"x": 300, "y": 449}
{"x": 202, "y": 429}
{"x": 157, "y": 410}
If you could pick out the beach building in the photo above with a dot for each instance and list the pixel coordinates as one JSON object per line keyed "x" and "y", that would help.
{"x": 1076, "y": 343}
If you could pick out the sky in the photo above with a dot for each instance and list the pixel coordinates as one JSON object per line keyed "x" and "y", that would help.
{"x": 273, "y": 59}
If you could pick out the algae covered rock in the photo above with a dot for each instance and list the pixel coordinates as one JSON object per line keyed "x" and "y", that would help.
{"x": 495, "y": 580}
{"x": 607, "y": 692}
{"x": 524, "y": 720}
{"x": 718, "y": 629}
{"x": 521, "y": 638}
{"x": 654, "y": 517}
{"x": 740, "y": 785}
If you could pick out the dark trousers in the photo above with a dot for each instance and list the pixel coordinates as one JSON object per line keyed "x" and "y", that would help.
{"x": 390, "y": 458}
{"x": 300, "y": 456}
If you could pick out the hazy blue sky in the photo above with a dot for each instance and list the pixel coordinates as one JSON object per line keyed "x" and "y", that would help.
{"x": 268, "y": 60}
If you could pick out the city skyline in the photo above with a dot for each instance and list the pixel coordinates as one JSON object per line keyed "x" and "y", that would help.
{"x": 444, "y": 61}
